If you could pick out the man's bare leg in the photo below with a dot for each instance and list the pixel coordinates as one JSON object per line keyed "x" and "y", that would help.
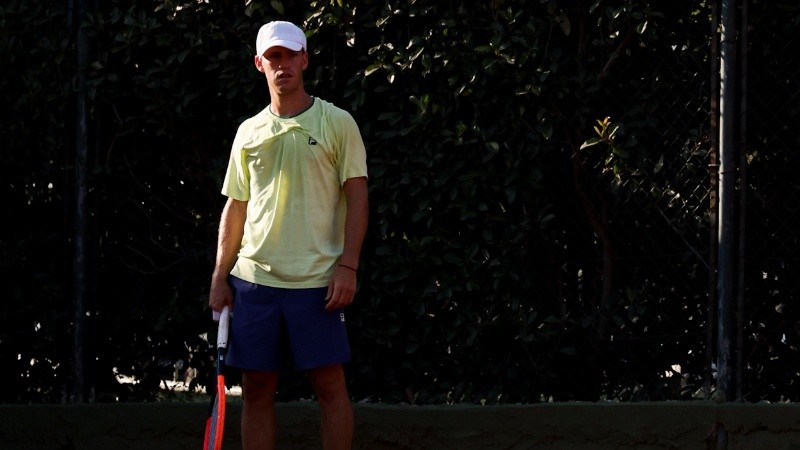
{"x": 337, "y": 412}
{"x": 259, "y": 425}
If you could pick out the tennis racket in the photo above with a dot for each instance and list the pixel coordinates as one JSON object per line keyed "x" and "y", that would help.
{"x": 215, "y": 425}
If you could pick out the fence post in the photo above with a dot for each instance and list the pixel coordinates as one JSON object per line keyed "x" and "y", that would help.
{"x": 727, "y": 178}
{"x": 713, "y": 203}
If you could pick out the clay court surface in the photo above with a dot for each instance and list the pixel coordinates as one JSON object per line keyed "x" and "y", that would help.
{"x": 563, "y": 426}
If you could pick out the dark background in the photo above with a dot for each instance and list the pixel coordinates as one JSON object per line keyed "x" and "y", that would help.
{"x": 505, "y": 262}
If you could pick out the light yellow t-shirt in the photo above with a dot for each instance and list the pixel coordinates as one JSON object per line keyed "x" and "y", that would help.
{"x": 291, "y": 172}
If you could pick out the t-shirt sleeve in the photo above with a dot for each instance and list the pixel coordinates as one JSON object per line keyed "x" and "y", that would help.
{"x": 352, "y": 155}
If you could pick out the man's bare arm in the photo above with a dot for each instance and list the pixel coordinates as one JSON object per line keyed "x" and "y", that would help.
{"x": 229, "y": 241}
{"x": 342, "y": 287}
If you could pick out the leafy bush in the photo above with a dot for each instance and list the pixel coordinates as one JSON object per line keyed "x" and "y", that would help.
{"x": 491, "y": 271}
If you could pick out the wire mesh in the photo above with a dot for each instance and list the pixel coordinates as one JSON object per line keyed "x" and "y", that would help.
{"x": 769, "y": 356}
{"x": 656, "y": 209}
{"x": 643, "y": 214}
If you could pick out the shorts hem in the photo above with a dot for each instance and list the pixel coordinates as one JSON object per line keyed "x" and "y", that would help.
{"x": 297, "y": 368}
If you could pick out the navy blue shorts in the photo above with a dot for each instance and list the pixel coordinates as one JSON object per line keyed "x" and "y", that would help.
{"x": 274, "y": 329}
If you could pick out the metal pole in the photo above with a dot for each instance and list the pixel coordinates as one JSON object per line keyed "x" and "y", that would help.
{"x": 713, "y": 204}
{"x": 727, "y": 180}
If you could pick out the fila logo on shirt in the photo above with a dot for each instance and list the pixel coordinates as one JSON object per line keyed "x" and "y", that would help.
{"x": 311, "y": 141}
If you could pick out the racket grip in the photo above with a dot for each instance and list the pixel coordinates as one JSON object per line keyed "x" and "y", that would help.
{"x": 222, "y": 334}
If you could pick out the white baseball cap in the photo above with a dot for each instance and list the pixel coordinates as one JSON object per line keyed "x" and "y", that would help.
{"x": 280, "y": 33}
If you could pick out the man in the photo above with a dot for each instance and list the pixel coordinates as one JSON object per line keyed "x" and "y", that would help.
{"x": 290, "y": 237}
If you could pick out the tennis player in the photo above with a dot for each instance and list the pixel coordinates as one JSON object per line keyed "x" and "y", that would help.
{"x": 289, "y": 242}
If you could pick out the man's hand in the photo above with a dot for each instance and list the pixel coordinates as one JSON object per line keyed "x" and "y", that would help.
{"x": 220, "y": 295}
{"x": 341, "y": 289}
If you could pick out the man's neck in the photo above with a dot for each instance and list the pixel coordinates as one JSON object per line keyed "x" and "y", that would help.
{"x": 290, "y": 105}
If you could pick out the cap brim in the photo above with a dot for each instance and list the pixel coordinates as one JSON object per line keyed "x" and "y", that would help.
{"x": 291, "y": 45}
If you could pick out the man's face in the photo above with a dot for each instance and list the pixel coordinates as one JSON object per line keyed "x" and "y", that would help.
{"x": 283, "y": 69}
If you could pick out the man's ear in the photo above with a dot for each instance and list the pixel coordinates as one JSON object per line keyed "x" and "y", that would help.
{"x": 305, "y": 60}
{"x": 259, "y": 64}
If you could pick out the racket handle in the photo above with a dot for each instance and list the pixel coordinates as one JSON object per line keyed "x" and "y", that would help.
{"x": 222, "y": 333}
{"x": 215, "y": 315}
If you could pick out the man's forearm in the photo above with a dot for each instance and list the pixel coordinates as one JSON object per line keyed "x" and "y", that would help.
{"x": 356, "y": 221}
{"x": 231, "y": 230}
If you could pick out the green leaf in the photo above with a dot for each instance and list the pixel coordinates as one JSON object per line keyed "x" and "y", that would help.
{"x": 372, "y": 69}
{"x": 659, "y": 165}
{"x": 590, "y": 142}
{"x": 277, "y": 5}
{"x": 563, "y": 22}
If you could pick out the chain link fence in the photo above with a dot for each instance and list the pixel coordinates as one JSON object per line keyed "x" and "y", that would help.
{"x": 642, "y": 210}
{"x": 770, "y": 270}
{"x": 630, "y": 277}
{"x": 647, "y": 213}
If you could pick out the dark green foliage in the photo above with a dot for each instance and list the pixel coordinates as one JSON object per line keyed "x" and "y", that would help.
{"x": 503, "y": 262}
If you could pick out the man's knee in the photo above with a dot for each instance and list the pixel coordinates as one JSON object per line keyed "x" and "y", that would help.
{"x": 329, "y": 383}
{"x": 259, "y": 387}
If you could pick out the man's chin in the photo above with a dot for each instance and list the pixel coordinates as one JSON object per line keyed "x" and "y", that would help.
{"x": 285, "y": 89}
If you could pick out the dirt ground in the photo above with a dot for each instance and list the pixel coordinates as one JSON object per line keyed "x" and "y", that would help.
{"x": 562, "y": 426}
